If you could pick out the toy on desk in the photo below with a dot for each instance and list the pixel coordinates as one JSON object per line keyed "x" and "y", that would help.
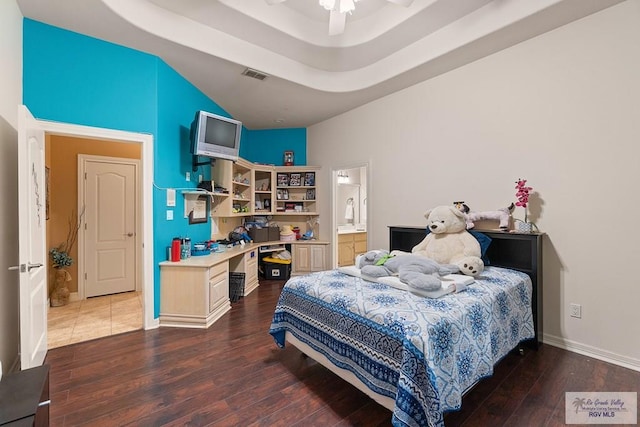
{"x": 239, "y": 234}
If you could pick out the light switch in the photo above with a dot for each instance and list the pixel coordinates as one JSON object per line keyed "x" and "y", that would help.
{"x": 171, "y": 197}
{"x": 169, "y": 215}
{"x": 187, "y": 176}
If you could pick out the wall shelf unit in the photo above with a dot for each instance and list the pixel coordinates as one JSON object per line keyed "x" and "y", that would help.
{"x": 256, "y": 189}
{"x": 296, "y": 190}
{"x": 236, "y": 177}
{"x": 191, "y": 198}
{"x": 263, "y": 180}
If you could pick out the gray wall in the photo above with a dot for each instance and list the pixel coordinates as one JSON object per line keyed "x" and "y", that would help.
{"x": 561, "y": 110}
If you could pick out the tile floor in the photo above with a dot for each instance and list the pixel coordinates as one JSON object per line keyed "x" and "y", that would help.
{"x": 94, "y": 318}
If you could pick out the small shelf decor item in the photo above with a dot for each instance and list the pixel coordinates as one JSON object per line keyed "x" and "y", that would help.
{"x": 311, "y": 194}
{"x": 295, "y": 180}
{"x": 310, "y": 179}
{"x": 522, "y": 194}
{"x": 283, "y": 179}
{"x": 282, "y": 194}
{"x": 288, "y": 158}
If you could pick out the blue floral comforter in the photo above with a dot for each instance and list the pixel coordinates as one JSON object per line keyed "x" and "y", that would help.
{"x": 423, "y": 353}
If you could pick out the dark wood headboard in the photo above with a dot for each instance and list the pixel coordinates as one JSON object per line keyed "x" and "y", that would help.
{"x": 517, "y": 251}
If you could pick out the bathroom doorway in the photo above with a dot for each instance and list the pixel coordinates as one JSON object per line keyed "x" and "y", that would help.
{"x": 350, "y": 191}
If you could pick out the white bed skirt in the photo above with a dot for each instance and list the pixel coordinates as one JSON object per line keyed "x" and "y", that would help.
{"x": 346, "y": 375}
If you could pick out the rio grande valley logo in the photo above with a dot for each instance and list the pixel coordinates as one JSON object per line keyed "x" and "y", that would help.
{"x": 601, "y": 408}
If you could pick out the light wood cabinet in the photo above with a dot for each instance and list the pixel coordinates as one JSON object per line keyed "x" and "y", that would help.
{"x": 308, "y": 257}
{"x": 193, "y": 296}
{"x": 194, "y": 293}
{"x": 247, "y": 264}
{"x": 349, "y": 246}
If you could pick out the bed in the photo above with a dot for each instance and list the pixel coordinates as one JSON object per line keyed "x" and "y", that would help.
{"x": 416, "y": 356}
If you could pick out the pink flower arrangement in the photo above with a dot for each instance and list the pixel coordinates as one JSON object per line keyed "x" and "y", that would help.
{"x": 522, "y": 194}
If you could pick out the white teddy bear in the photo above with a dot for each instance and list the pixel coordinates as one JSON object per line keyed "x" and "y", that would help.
{"x": 449, "y": 242}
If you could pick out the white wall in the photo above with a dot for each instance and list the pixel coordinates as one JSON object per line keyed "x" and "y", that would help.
{"x": 561, "y": 110}
{"x": 11, "y": 90}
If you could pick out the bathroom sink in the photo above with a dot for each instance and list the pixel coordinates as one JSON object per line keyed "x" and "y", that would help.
{"x": 350, "y": 228}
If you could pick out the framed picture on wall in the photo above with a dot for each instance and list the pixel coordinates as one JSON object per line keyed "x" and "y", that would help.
{"x": 283, "y": 179}
{"x": 295, "y": 179}
{"x": 198, "y": 214}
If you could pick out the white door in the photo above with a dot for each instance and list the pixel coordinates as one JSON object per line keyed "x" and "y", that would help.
{"x": 110, "y": 226}
{"x": 32, "y": 242}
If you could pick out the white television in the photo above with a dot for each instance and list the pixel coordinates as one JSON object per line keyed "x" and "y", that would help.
{"x": 215, "y": 136}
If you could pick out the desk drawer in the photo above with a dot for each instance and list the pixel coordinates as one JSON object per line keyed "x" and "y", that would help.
{"x": 218, "y": 269}
{"x": 218, "y": 291}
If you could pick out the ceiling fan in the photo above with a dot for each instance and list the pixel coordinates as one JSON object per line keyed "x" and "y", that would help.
{"x": 338, "y": 10}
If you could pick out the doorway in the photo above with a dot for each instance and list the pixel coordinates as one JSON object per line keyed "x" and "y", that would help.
{"x": 92, "y": 140}
{"x": 350, "y": 213}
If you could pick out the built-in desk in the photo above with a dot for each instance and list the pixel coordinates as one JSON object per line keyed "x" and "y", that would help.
{"x": 194, "y": 292}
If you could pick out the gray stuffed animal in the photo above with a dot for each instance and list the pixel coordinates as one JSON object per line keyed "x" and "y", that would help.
{"x": 414, "y": 270}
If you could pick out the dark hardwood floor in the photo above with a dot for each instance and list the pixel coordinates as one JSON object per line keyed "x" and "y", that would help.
{"x": 233, "y": 374}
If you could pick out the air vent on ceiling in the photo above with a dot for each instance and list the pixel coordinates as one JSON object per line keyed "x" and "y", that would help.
{"x": 255, "y": 74}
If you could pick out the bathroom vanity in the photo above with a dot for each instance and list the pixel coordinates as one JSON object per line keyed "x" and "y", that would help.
{"x": 351, "y": 242}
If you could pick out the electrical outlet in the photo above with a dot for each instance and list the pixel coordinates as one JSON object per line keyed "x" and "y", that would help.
{"x": 187, "y": 176}
{"x": 169, "y": 215}
{"x": 575, "y": 310}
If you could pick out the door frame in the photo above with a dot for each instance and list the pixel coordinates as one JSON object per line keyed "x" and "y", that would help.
{"x": 83, "y": 159}
{"x": 146, "y": 214}
{"x": 334, "y": 205}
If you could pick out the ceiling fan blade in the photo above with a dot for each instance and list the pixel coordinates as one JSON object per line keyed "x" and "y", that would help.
{"x": 274, "y": 1}
{"x": 405, "y": 3}
{"x": 337, "y": 21}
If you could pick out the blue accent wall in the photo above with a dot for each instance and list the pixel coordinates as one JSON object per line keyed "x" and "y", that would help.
{"x": 268, "y": 146}
{"x": 72, "y": 78}
{"x": 76, "y": 79}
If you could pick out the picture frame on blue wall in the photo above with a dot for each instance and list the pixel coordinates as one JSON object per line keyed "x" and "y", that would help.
{"x": 198, "y": 213}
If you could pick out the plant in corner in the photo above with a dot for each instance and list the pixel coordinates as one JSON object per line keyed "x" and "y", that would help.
{"x": 61, "y": 258}
{"x": 60, "y": 255}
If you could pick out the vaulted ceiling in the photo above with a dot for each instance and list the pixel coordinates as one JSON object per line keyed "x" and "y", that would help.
{"x": 311, "y": 76}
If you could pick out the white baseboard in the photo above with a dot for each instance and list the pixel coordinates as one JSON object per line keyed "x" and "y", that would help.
{"x": 596, "y": 353}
